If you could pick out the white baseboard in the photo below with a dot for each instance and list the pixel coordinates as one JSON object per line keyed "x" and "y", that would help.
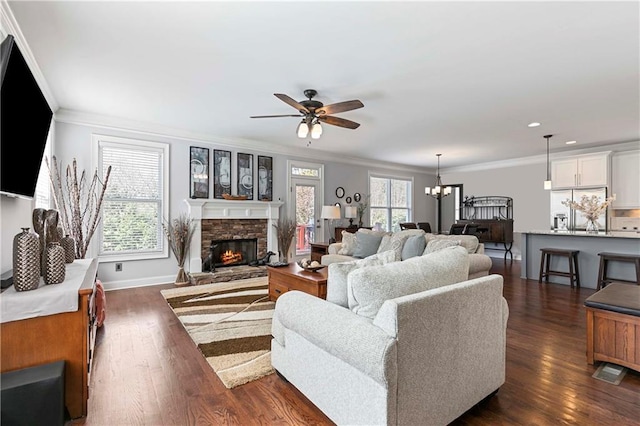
{"x": 145, "y": 282}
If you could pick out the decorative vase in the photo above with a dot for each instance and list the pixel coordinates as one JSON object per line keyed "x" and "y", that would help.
{"x": 182, "y": 278}
{"x": 38, "y": 226}
{"x": 283, "y": 256}
{"x": 69, "y": 246}
{"x": 54, "y": 266}
{"x": 592, "y": 226}
{"x": 26, "y": 261}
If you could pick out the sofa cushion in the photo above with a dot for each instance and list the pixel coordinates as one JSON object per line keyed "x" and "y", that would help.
{"x": 348, "y": 243}
{"x": 366, "y": 244}
{"x": 414, "y": 246}
{"x": 470, "y": 242}
{"x": 337, "y": 278}
{"x": 436, "y": 245}
{"x": 399, "y": 238}
{"x": 368, "y": 288}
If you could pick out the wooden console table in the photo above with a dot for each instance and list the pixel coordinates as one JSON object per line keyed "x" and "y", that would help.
{"x": 318, "y": 250}
{"x": 68, "y": 336}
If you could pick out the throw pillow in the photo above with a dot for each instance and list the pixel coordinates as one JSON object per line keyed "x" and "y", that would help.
{"x": 437, "y": 245}
{"x": 348, "y": 243}
{"x": 369, "y": 288}
{"x": 399, "y": 238}
{"x": 366, "y": 244}
{"x": 385, "y": 244}
{"x": 338, "y": 272}
{"x": 414, "y": 246}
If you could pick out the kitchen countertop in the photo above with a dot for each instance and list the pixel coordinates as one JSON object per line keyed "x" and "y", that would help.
{"x": 610, "y": 234}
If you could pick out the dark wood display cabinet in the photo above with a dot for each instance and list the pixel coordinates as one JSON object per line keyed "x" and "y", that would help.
{"x": 490, "y": 218}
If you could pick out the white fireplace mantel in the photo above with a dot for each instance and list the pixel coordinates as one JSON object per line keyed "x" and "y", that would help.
{"x": 229, "y": 209}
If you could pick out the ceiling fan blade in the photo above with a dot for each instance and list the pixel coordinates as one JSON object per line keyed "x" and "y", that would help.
{"x": 288, "y": 100}
{"x": 271, "y": 116}
{"x": 336, "y": 121}
{"x": 339, "y": 107}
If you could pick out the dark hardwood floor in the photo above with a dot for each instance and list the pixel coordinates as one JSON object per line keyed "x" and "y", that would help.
{"x": 147, "y": 371}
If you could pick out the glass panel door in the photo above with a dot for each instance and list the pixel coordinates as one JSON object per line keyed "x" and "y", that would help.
{"x": 305, "y": 208}
{"x": 304, "y": 203}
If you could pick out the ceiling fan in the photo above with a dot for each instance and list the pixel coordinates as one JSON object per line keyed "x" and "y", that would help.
{"x": 313, "y": 112}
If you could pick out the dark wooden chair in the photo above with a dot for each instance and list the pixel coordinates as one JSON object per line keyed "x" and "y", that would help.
{"x": 408, "y": 225}
{"x": 425, "y": 226}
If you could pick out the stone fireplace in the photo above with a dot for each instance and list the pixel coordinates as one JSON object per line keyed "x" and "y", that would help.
{"x": 231, "y": 220}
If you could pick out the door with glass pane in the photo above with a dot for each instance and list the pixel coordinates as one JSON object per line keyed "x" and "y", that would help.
{"x": 306, "y": 205}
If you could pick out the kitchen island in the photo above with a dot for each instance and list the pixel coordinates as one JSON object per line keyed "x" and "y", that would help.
{"x": 589, "y": 245}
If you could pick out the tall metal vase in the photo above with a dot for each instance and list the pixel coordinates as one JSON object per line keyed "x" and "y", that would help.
{"x": 69, "y": 246}
{"x": 26, "y": 261}
{"x": 54, "y": 265}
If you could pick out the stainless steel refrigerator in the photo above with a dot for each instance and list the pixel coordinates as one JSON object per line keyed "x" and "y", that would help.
{"x": 577, "y": 221}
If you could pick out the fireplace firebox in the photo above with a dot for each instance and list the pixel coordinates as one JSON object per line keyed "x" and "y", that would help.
{"x": 241, "y": 251}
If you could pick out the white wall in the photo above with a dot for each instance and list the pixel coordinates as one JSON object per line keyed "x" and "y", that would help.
{"x": 75, "y": 141}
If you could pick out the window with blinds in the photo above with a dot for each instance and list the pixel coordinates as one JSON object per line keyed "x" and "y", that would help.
{"x": 390, "y": 201}
{"x": 135, "y": 200}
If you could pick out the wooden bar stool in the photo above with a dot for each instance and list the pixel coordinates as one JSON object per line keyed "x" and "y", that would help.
{"x": 545, "y": 261}
{"x": 606, "y": 257}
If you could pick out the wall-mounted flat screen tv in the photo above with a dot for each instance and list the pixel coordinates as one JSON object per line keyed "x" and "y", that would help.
{"x": 24, "y": 123}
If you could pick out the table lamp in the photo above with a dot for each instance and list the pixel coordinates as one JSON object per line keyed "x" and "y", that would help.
{"x": 351, "y": 212}
{"x": 331, "y": 213}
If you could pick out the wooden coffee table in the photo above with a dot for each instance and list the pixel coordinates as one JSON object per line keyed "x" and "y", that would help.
{"x": 293, "y": 277}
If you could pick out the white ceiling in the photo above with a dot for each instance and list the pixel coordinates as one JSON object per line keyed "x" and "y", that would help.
{"x": 459, "y": 78}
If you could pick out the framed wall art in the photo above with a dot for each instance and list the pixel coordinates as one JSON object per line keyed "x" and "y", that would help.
{"x": 265, "y": 178}
{"x": 245, "y": 175}
{"x": 221, "y": 173}
{"x": 199, "y": 172}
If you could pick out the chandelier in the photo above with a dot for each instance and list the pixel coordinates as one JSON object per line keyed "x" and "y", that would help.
{"x": 439, "y": 190}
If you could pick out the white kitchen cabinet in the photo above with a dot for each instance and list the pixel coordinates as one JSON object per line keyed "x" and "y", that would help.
{"x": 590, "y": 170}
{"x": 625, "y": 179}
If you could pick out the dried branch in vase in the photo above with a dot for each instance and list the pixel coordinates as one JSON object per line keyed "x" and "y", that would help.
{"x": 286, "y": 230}
{"x": 78, "y": 202}
{"x": 179, "y": 234}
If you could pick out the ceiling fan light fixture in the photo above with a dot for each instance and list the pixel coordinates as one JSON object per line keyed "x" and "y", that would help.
{"x": 316, "y": 130}
{"x": 302, "y": 130}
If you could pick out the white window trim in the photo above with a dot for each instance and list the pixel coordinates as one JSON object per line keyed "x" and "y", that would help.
{"x": 303, "y": 165}
{"x": 385, "y": 176}
{"x": 106, "y": 140}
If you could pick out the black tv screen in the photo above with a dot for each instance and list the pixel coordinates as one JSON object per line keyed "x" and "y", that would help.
{"x": 24, "y": 123}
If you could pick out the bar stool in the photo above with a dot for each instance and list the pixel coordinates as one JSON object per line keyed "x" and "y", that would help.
{"x": 606, "y": 257}
{"x": 545, "y": 261}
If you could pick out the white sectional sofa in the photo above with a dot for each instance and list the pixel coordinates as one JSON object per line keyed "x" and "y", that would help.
{"x": 479, "y": 263}
{"x": 402, "y": 343}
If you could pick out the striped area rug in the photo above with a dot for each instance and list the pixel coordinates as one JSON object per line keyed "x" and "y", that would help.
{"x": 230, "y": 322}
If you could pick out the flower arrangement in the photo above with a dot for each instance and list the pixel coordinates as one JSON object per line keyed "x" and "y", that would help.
{"x": 179, "y": 234}
{"x": 286, "y": 230}
{"x": 590, "y": 206}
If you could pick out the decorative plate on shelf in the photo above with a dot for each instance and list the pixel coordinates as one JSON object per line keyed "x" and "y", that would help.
{"x": 307, "y": 266}
{"x": 234, "y": 197}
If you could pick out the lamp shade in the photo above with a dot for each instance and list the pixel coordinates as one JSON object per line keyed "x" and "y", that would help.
{"x": 330, "y": 212}
{"x": 350, "y": 212}
{"x": 316, "y": 130}
{"x": 302, "y": 130}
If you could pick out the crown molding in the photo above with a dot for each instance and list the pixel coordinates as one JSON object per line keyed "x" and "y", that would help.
{"x": 536, "y": 159}
{"x": 9, "y": 25}
{"x": 156, "y": 130}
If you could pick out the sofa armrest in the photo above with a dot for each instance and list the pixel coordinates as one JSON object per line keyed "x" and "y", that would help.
{"x": 480, "y": 249}
{"x": 338, "y": 331}
{"x": 479, "y": 265}
{"x": 334, "y": 247}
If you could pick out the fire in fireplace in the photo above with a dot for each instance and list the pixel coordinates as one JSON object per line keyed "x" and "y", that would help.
{"x": 233, "y": 252}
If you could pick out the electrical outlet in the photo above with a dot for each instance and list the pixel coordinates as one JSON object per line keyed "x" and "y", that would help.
{"x": 118, "y": 267}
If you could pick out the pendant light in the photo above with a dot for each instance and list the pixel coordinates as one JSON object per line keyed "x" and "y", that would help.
{"x": 547, "y": 183}
{"x": 438, "y": 191}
